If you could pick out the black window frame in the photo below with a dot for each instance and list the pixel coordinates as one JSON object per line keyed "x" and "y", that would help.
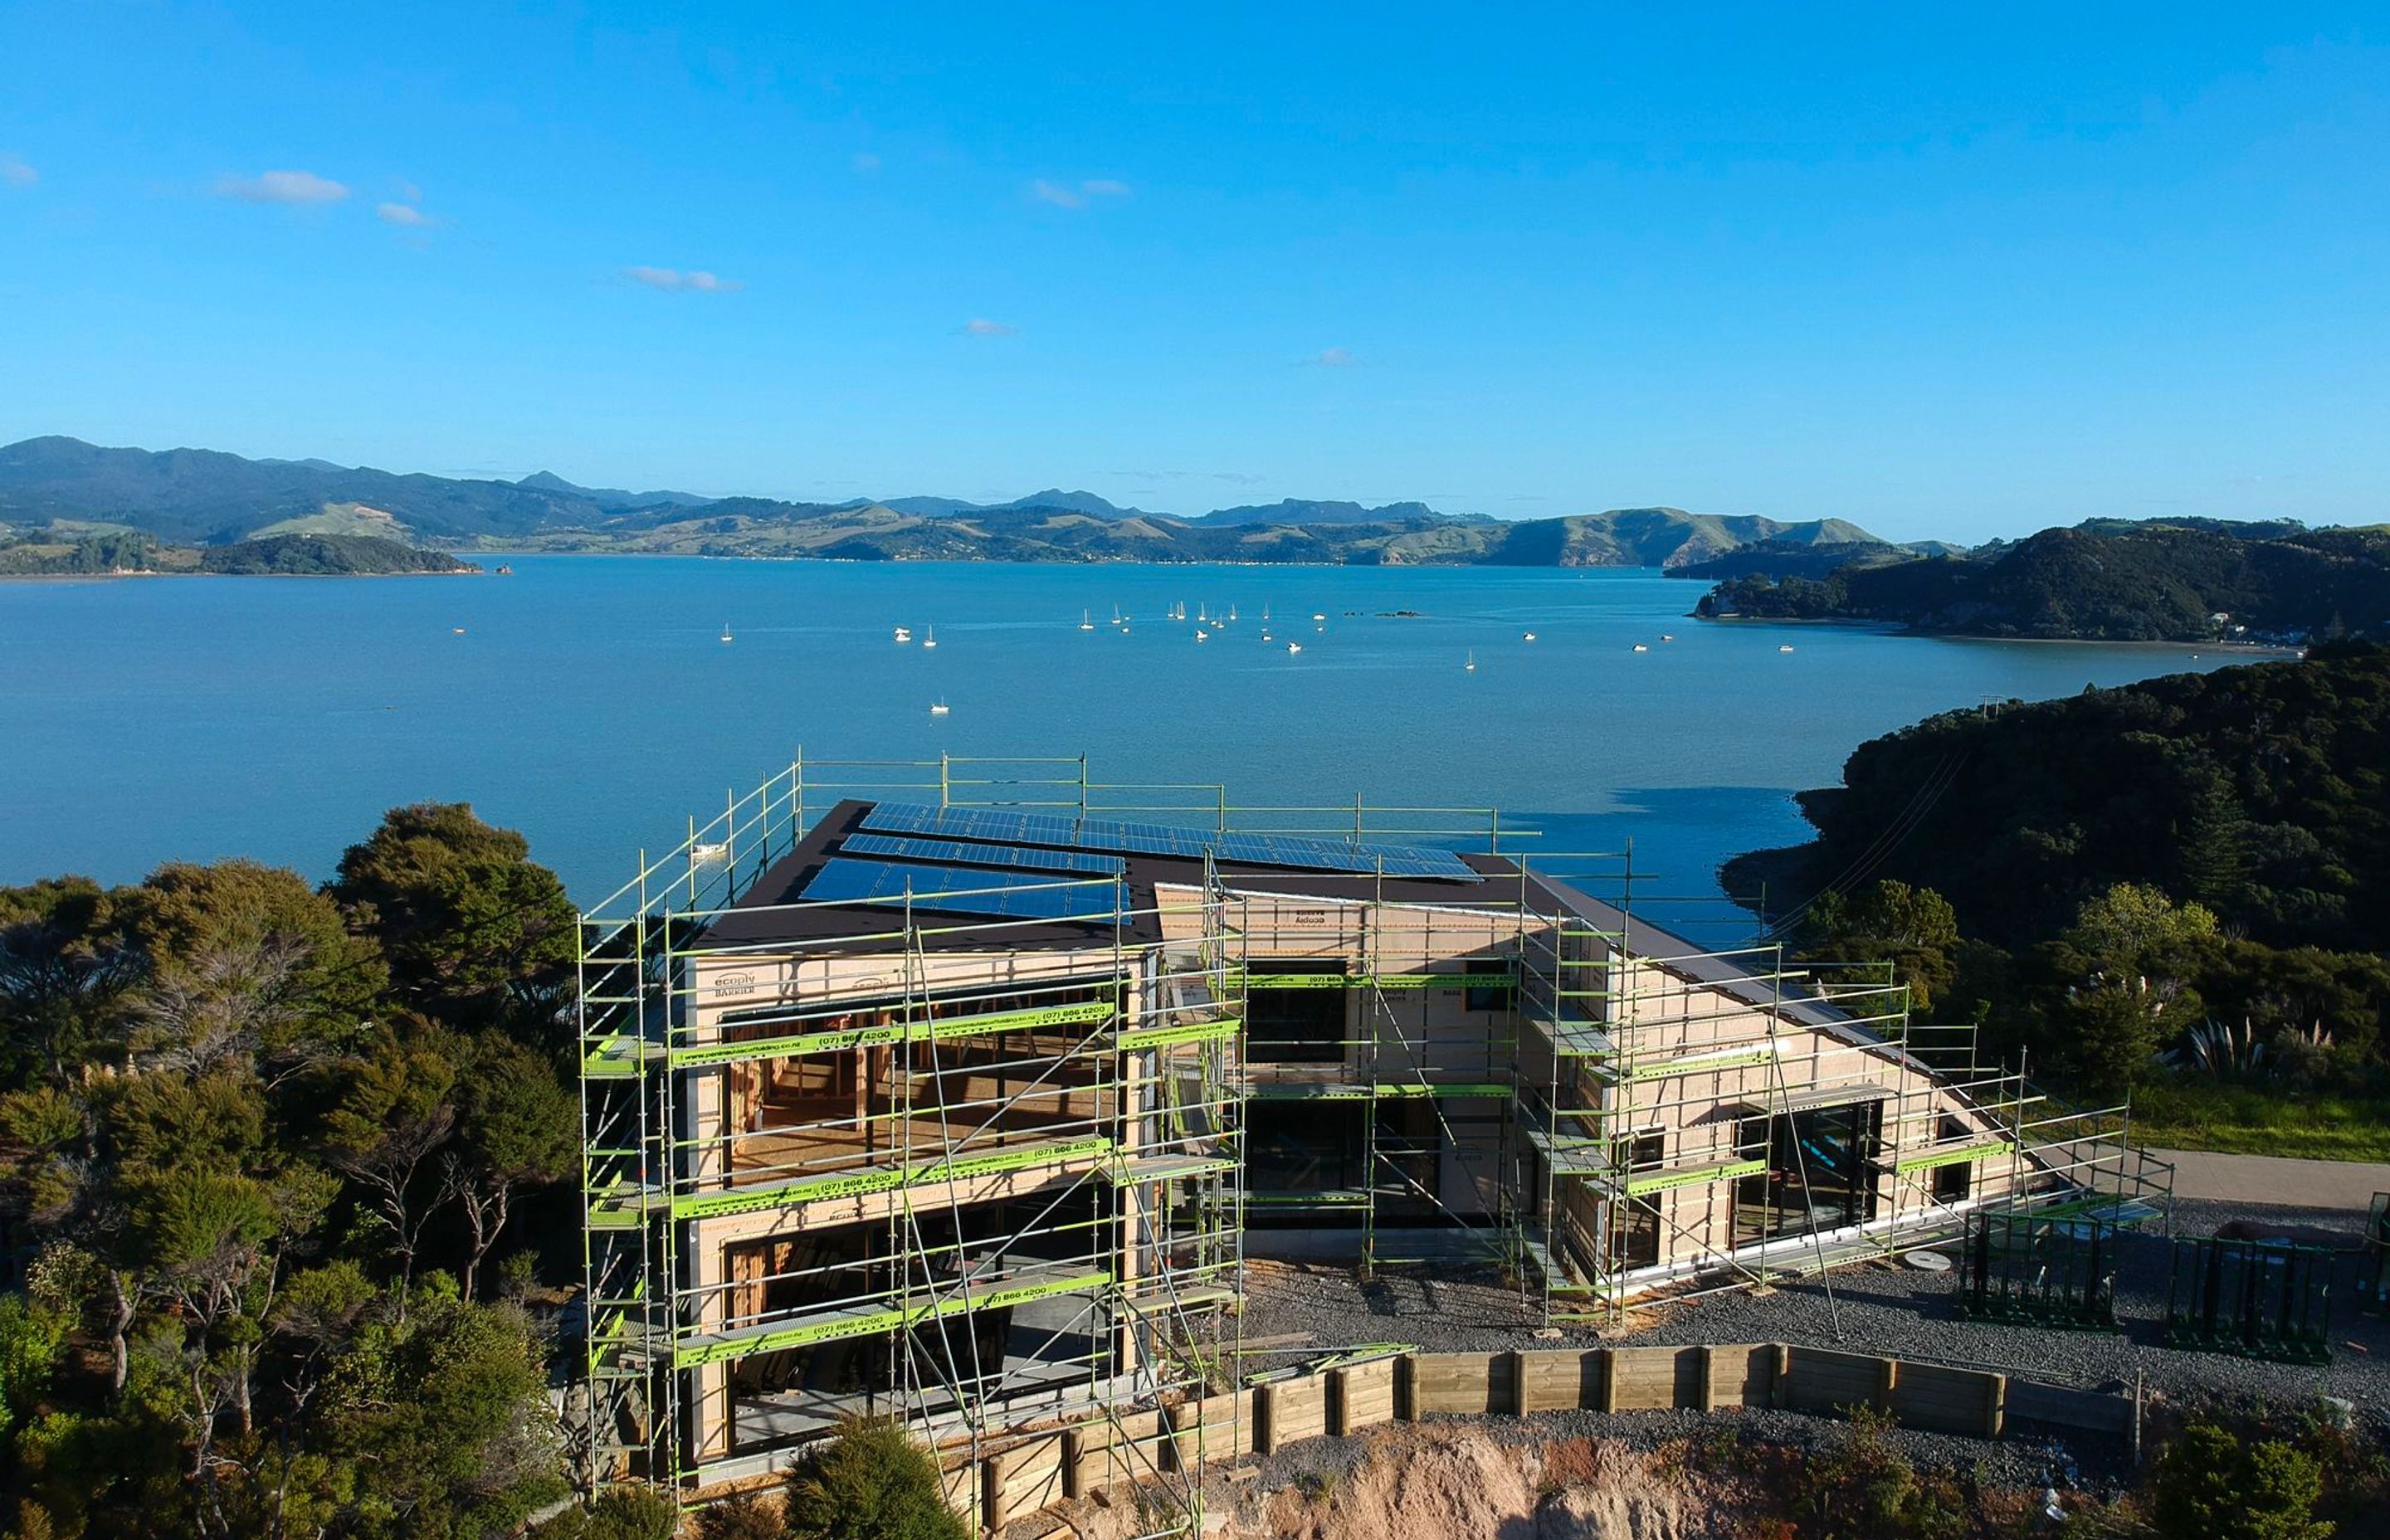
{"x": 1496, "y": 995}
{"x": 1280, "y": 1037}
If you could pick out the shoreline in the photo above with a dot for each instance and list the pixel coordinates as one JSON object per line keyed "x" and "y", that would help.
{"x": 1894, "y": 628}
{"x": 470, "y": 570}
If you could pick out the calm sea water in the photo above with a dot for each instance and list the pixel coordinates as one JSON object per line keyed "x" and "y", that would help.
{"x": 589, "y": 702}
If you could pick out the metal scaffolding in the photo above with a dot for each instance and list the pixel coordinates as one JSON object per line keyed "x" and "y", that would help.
{"x": 977, "y": 1202}
{"x": 1629, "y": 1182}
{"x": 991, "y": 1179}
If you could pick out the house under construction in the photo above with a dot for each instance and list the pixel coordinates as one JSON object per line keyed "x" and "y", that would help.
{"x": 959, "y": 1092}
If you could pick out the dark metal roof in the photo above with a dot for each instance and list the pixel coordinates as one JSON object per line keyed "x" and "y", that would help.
{"x": 1678, "y": 955}
{"x": 774, "y": 909}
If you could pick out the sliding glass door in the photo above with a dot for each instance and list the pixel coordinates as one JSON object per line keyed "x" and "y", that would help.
{"x": 1820, "y": 1175}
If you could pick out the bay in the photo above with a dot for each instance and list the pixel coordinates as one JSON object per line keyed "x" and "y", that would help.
{"x": 589, "y": 701}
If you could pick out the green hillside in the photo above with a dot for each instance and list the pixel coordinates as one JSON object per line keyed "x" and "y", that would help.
{"x": 191, "y": 496}
{"x": 2179, "y": 888}
{"x": 341, "y": 519}
{"x": 2106, "y": 581}
{"x": 63, "y": 551}
{"x": 755, "y": 527}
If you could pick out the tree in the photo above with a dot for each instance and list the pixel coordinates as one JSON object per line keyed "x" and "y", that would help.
{"x": 2129, "y": 961}
{"x": 869, "y": 1481}
{"x": 64, "y": 968}
{"x": 742, "y": 1518}
{"x": 207, "y": 930}
{"x": 444, "y": 1416}
{"x": 515, "y": 1129}
{"x": 200, "y": 1073}
{"x": 2133, "y": 928}
{"x": 2211, "y": 1485}
{"x": 2111, "y": 1031}
{"x": 2213, "y": 864}
{"x": 619, "y": 1514}
{"x": 31, "y": 1341}
{"x": 476, "y": 931}
{"x": 397, "y": 1107}
{"x": 1913, "y": 929}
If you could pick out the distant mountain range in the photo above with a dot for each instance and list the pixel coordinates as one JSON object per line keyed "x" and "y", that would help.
{"x": 198, "y": 496}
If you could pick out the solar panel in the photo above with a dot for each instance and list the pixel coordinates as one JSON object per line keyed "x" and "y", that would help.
{"x": 1150, "y": 839}
{"x": 909, "y": 848}
{"x": 1013, "y": 895}
{"x": 971, "y": 823}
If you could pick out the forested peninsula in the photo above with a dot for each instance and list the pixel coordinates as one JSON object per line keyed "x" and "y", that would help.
{"x": 2177, "y": 890}
{"x": 2162, "y": 581}
{"x": 120, "y": 553}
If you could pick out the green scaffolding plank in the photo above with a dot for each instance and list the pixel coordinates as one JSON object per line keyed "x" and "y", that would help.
{"x": 1166, "y": 1168}
{"x": 1389, "y": 1090}
{"x": 1700, "y": 1063}
{"x": 1932, "y": 1160}
{"x": 1720, "y": 1170}
{"x": 1487, "y": 980}
{"x": 856, "y": 1184}
{"x": 934, "y": 1031}
{"x": 619, "y": 1057}
{"x": 1172, "y": 1037}
{"x": 839, "y": 1325}
{"x": 622, "y": 1206}
{"x": 1308, "y": 1091}
{"x": 1574, "y": 1037}
{"x": 1302, "y": 1199}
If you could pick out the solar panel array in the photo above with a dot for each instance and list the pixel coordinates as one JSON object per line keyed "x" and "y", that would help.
{"x": 1144, "y": 838}
{"x": 906, "y": 848}
{"x": 1012, "y": 895}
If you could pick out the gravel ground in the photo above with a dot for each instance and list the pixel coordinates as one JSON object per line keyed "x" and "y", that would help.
{"x": 1873, "y": 1307}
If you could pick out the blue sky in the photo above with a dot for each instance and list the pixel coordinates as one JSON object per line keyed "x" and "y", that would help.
{"x": 1948, "y": 271}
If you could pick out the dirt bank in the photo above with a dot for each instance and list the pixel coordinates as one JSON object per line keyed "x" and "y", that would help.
{"x": 1424, "y": 1482}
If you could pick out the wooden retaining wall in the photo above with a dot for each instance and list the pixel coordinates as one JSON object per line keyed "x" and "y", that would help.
{"x": 1044, "y": 1468}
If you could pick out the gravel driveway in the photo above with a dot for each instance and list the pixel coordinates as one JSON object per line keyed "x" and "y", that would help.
{"x": 1873, "y": 1307}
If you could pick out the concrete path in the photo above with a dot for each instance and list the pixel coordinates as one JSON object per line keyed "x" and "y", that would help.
{"x": 2343, "y": 1184}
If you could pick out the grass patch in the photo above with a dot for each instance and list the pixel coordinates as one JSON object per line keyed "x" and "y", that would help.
{"x": 2246, "y": 1119}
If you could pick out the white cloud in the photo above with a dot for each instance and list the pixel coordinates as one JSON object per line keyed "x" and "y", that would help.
{"x": 295, "y": 187}
{"x": 16, "y": 174}
{"x": 1066, "y": 197}
{"x": 672, "y": 280}
{"x": 866, "y": 163}
{"x": 1329, "y": 358}
{"x": 981, "y": 327}
{"x": 406, "y": 215}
